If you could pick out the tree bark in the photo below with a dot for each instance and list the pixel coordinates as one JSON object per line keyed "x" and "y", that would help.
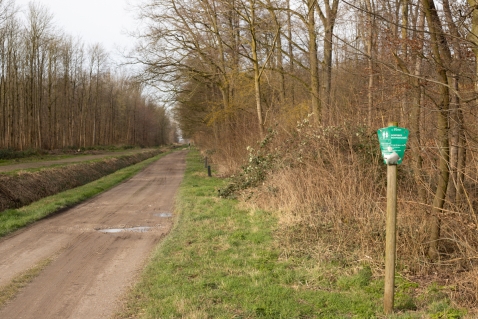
{"x": 415, "y": 114}
{"x": 370, "y": 52}
{"x": 456, "y": 114}
{"x": 314, "y": 63}
{"x": 328, "y": 20}
{"x": 442, "y": 55}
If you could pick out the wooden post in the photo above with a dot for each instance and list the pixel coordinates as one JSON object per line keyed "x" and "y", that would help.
{"x": 209, "y": 171}
{"x": 391, "y": 229}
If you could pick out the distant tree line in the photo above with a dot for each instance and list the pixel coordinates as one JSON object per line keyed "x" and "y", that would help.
{"x": 55, "y": 92}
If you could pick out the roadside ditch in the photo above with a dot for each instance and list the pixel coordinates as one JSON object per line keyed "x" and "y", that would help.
{"x": 23, "y": 187}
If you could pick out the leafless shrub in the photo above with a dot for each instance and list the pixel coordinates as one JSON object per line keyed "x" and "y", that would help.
{"x": 329, "y": 185}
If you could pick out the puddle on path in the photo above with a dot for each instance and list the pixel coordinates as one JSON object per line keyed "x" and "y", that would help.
{"x": 131, "y": 229}
{"x": 164, "y": 215}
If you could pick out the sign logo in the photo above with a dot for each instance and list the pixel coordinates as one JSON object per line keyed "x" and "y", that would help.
{"x": 393, "y": 142}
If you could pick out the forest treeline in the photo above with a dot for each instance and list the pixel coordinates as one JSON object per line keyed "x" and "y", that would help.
{"x": 313, "y": 80}
{"x": 57, "y": 92}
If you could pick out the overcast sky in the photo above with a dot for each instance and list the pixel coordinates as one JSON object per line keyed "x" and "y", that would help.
{"x": 95, "y": 21}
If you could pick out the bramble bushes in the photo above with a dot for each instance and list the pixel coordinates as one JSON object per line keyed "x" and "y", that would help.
{"x": 260, "y": 163}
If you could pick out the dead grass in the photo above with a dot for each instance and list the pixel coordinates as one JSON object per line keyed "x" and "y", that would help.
{"x": 329, "y": 187}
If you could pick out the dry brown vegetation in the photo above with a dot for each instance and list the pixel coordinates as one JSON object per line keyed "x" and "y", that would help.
{"x": 329, "y": 187}
{"x": 322, "y": 77}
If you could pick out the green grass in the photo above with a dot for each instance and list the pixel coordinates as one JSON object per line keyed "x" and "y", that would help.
{"x": 223, "y": 262}
{"x": 34, "y": 158}
{"x": 10, "y": 157}
{"x": 50, "y": 166}
{"x": 13, "y": 219}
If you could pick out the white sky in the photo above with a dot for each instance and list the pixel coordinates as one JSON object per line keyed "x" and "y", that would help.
{"x": 96, "y": 21}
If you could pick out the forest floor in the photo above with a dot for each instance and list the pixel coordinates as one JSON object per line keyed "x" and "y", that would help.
{"x": 86, "y": 258}
{"x": 50, "y": 160}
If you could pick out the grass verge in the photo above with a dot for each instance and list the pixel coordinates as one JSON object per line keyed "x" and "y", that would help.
{"x": 10, "y": 156}
{"x": 9, "y": 291}
{"x": 13, "y": 219}
{"x": 223, "y": 262}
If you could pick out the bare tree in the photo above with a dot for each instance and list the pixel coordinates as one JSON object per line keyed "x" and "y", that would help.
{"x": 328, "y": 16}
{"x": 313, "y": 61}
{"x": 442, "y": 55}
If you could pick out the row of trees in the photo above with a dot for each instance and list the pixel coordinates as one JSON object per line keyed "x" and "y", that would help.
{"x": 56, "y": 93}
{"x": 237, "y": 67}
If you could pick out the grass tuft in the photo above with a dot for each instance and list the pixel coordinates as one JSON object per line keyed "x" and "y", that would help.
{"x": 9, "y": 291}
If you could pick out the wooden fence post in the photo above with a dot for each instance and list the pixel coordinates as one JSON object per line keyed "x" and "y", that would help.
{"x": 390, "y": 246}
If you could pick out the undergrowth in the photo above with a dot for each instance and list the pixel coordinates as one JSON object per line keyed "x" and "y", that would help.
{"x": 7, "y": 153}
{"x": 329, "y": 186}
{"x": 261, "y": 162}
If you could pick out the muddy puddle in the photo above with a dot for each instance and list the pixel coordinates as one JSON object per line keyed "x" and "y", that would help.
{"x": 164, "y": 215}
{"x": 131, "y": 229}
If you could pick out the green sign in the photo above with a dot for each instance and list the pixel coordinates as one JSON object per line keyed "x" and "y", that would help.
{"x": 393, "y": 141}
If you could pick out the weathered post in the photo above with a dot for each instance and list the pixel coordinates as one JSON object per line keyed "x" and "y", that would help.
{"x": 390, "y": 238}
{"x": 393, "y": 140}
{"x": 209, "y": 170}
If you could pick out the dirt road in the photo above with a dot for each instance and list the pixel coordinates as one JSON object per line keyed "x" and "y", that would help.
{"x": 98, "y": 248}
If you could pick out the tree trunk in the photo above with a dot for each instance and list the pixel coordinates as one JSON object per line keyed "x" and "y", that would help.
{"x": 291, "y": 51}
{"x": 370, "y": 53}
{"x": 415, "y": 115}
{"x": 442, "y": 55}
{"x": 473, "y": 37}
{"x": 404, "y": 109}
{"x": 328, "y": 20}
{"x": 314, "y": 62}
{"x": 456, "y": 113}
{"x": 257, "y": 70}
